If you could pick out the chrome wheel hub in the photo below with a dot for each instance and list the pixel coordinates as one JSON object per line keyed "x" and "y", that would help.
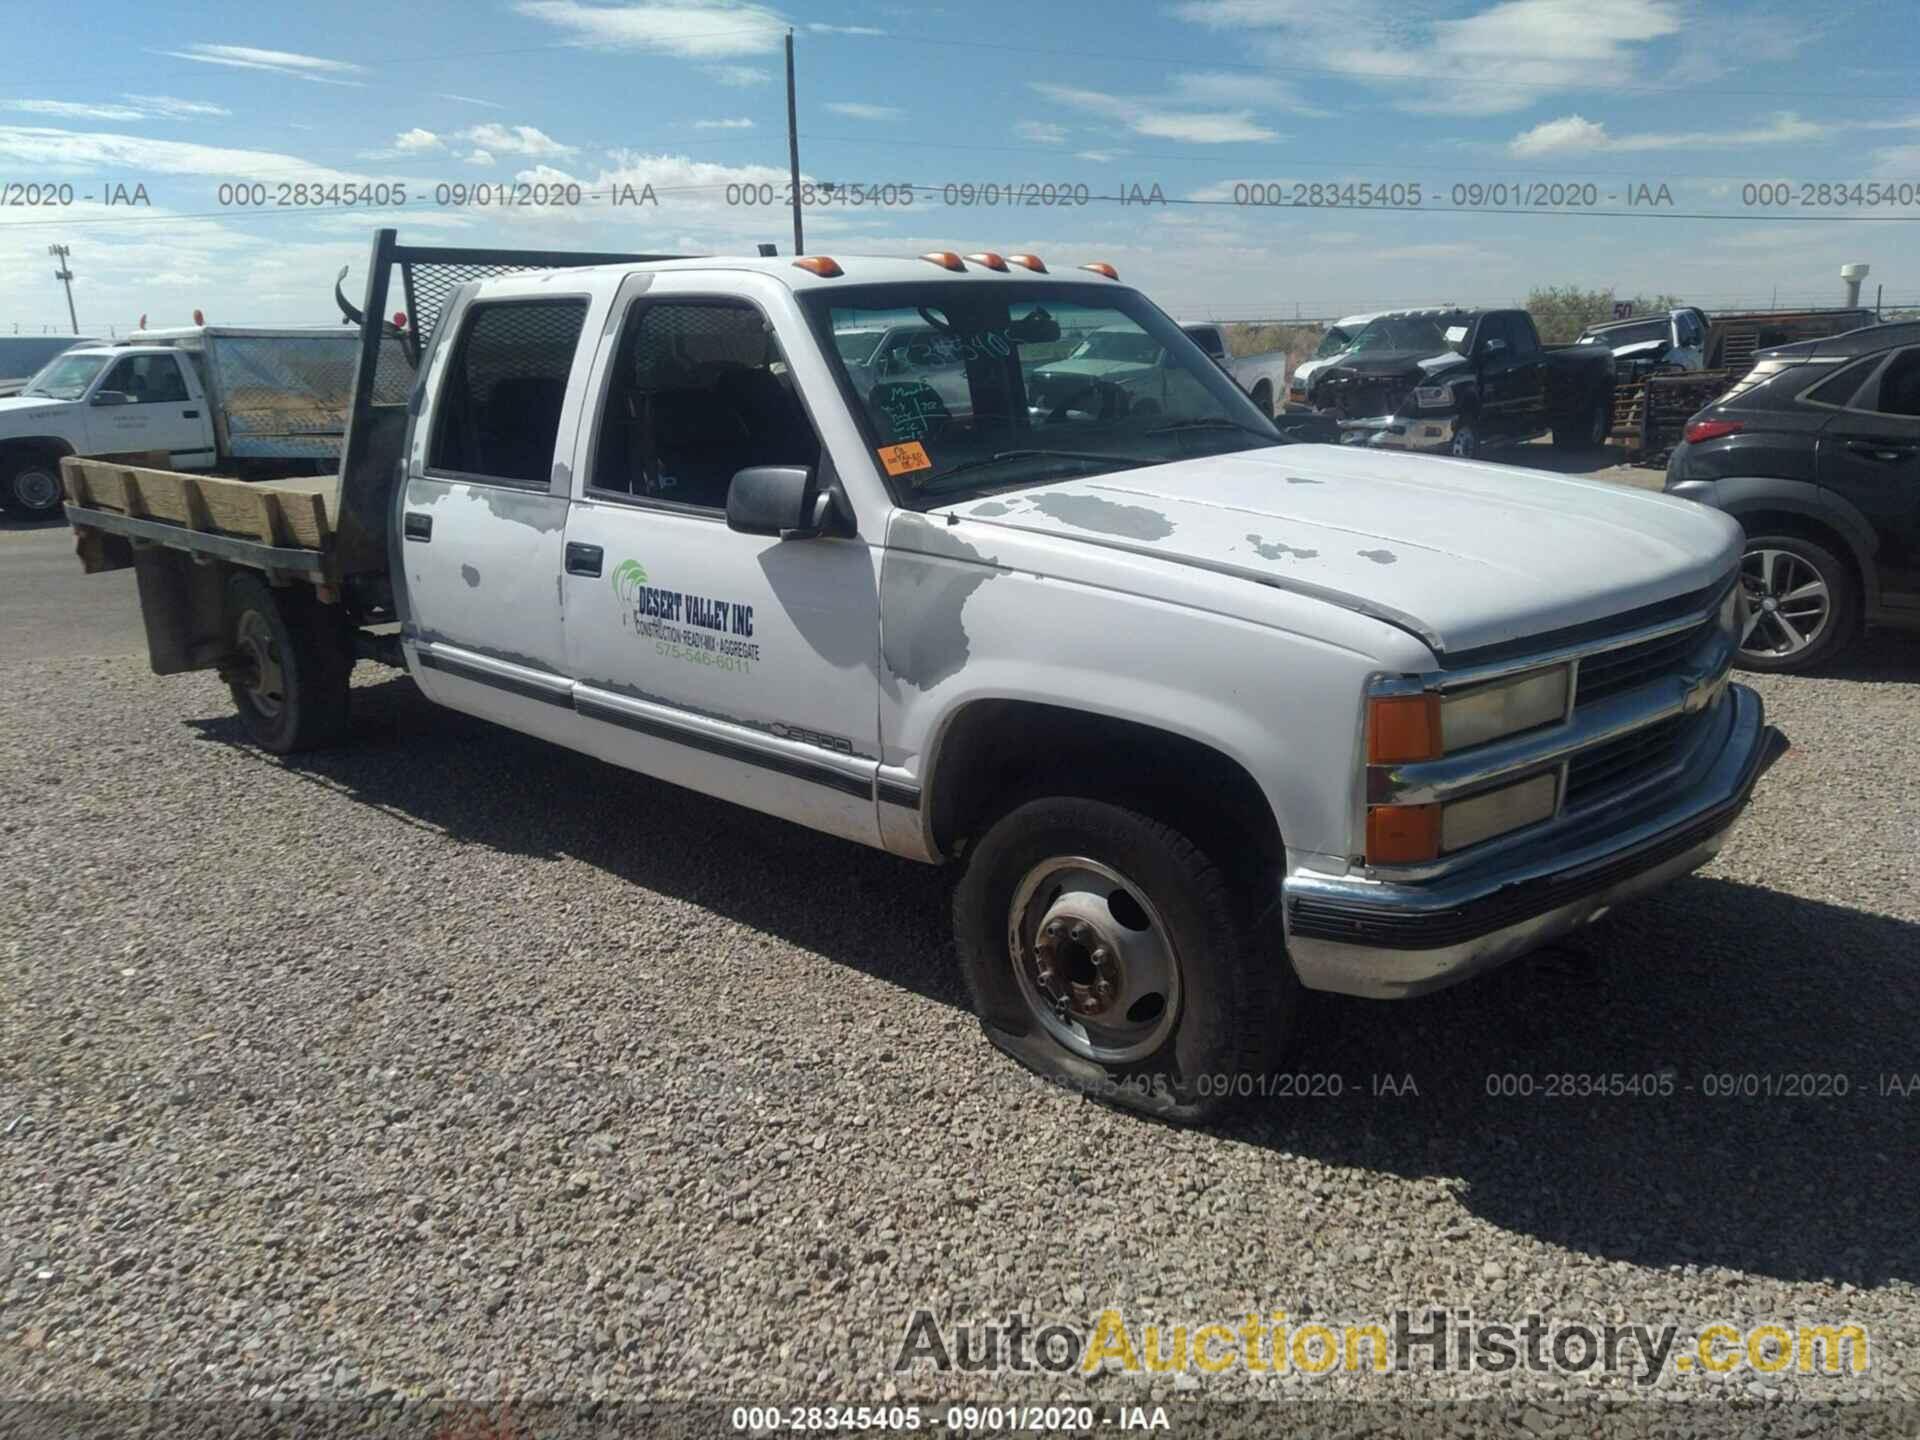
{"x": 1094, "y": 961}
{"x": 1791, "y": 603}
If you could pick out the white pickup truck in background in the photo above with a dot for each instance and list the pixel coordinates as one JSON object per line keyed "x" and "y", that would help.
{"x": 1263, "y": 377}
{"x": 1203, "y": 716}
{"x": 251, "y": 400}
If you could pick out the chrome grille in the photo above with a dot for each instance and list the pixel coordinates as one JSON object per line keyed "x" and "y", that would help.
{"x": 1613, "y": 671}
{"x": 1602, "y": 771}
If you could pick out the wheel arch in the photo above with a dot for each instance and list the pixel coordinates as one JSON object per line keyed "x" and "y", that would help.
{"x": 992, "y": 751}
{"x": 1793, "y": 507}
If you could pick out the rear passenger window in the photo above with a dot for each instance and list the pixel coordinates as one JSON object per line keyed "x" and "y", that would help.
{"x": 1838, "y": 389}
{"x": 499, "y": 407}
{"x": 698, "y": 390}
{"x": 1900, "y": 385}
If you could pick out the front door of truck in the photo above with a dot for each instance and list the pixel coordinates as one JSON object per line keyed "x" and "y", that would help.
{"x": 159, "y": 412}
{"x": 743, "y": 666}
{"x": 1513, "y": 397}
{"x": 483, "y": 515}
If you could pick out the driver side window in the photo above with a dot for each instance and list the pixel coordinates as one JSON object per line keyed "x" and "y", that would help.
{"x": 698, "y": 390}
{"x": 147, "y": 380}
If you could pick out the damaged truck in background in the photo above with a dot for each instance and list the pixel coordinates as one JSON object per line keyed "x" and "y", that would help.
{"x": 1199, "y": 716}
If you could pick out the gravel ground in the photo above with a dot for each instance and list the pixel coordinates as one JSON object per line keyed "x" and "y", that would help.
{"x": 454, "y": 1065}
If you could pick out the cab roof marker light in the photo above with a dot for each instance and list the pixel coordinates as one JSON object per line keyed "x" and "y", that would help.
{"x": 1030, "y": 262}
{"x": 1101, "y": 267}
{"x": 945, "y": 259}
{"x": 823, "y": 266}
{"x": 989, "y": 259}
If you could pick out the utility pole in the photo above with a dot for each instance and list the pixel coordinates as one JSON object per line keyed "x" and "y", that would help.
{"x": 65, "y": 277}
{"x": 793, "y": 153}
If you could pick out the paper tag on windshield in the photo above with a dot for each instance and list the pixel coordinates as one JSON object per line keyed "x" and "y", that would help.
{"x": 905, "y": 459}
{"x": 1456, "y": 333}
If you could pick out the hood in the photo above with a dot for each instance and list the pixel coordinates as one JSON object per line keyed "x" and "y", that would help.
{"x": 1387, "y": 364}
{"x": 1096, "y": 369}
{"x": 1463, "y": 555}
{"x": 24, "y": 407}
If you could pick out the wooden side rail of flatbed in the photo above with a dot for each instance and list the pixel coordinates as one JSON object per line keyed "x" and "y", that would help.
{"x": 283, "y": 527}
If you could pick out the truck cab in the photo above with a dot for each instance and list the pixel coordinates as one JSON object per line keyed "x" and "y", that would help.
{"x": 101, "y": 400}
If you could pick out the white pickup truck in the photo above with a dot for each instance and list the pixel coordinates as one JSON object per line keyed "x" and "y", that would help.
{"x": 259, "y": 401}
{"x": 1204, "y": 716}
{"x": 1263, "y": 376}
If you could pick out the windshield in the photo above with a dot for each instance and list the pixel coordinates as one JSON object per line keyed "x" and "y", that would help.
{"x": 1402, "y": 332}
{"x": 66, "y": 378}
{"x": 1334, "y": 342}
{"x": 1624, "y": 335}
{"x": 1018, "y": 384}
{"x": 856, "y": 347}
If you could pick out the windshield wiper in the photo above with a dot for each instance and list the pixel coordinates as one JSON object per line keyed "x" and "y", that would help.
{"x": 1129, "y": 461}
{"x": 1209, "y": 422}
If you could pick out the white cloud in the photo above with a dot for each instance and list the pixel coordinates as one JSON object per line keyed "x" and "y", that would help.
{"x": 859, "y": 110}
{"x": 1099, "y": 157}
{"x": 478, "y": 157}
{"x": 1575, "y": 133}
{"x": 692, "y": 29}
{"x": 820, "y": 29}
{"x": 1148, "y": 117}
{"x": 137, "y": 107}
{"x": 78, "y": 152}
{"x": 74, "y": 109}
{"x": 1041, "y": 132}
{"x": 737, "y": 124}
{"x": 514, "y": 140}
{"x": 1505, "y": 57}
{"x": 468, "y": 99}
{"x": 1897, "y": 162}
{"x": 416, "y": 139}
{"x": 170, "y": 108}
{"x": 736, "y": 77}
{"x": 278, "y": 62}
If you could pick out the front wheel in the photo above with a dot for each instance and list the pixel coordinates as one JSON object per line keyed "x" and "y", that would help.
{"x": 1801, "y": 604}
{"x": 1465, "y": 444}
{"x": 31, "y": 487}
{"x": 1107, "y": 953}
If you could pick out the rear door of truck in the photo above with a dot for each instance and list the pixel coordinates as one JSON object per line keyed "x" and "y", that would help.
{"x": 743, "y": 666}
{"x": 483, "y": 516}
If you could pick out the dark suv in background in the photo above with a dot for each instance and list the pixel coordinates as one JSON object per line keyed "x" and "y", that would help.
{"x": 1816, "y": 452}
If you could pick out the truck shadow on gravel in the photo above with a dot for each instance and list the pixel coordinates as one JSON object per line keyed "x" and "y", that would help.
{"x": 1709, "y": 986}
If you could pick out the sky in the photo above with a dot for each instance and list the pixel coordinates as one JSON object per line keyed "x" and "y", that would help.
{"x": 1643, "y": 146}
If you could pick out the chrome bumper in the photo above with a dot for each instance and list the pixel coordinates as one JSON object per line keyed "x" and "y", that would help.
{"x": 1387, "y": 941}
{"x": 1397, "y": 432}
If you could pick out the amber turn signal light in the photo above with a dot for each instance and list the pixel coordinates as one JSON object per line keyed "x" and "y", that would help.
{"x": 1403, "y": 728}
{"x": 1403, "y": 834}
{"x": 988, "y": 259}
{"x": 1030, "y": 262}
{"x": 819, "y": 265}
{"x": 945, "y": 259}
{"x": 1100, "y": 267}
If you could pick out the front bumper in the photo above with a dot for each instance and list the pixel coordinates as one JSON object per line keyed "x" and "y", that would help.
{"x": 1399, "y": 432}
{"x": 1387, "y": 941}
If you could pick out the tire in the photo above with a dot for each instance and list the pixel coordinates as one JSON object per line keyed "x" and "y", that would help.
{"x": 291, "y": 661}
{"x": 1179, "y": 934}
{"x": 1263, "y": 397}
{"x": 32, "y": 487}
{"x": 1587, "y": 433}
{"x": 1794, "y": 626}
{"x": 1465, "y": 444}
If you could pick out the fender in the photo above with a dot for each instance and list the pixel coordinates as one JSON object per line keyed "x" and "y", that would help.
{"x": 1743, "y": 495}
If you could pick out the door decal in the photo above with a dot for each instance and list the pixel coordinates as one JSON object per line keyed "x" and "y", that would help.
{"x": 684, "y": 626}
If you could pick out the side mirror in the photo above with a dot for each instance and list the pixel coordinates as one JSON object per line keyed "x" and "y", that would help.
{"x": 111, "y": 397}
{"x": 781, "y": 500}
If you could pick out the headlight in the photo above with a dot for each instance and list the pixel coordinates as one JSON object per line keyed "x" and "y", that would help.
{"x": 1503, "y": 707}
{"x": 1433, "y": 397}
